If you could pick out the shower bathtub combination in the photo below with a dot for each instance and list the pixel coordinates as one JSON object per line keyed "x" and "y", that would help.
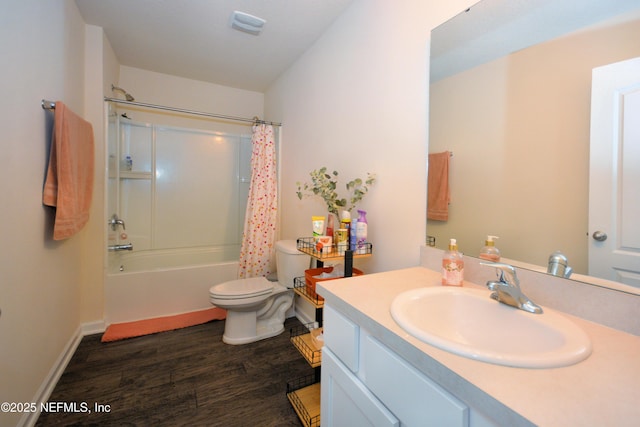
{"x": 176, "y": 199}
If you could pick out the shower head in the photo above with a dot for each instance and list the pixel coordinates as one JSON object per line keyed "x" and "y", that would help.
{"x": 126, "y": 94}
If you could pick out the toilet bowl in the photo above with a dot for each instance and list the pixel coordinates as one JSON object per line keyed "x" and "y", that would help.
{"x": 256, "y": 308}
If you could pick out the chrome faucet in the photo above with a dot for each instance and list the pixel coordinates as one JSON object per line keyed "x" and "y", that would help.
{"x": 507, "y": 289}
{"x": 114, "y": 222}
{"x": 559, "y": 265}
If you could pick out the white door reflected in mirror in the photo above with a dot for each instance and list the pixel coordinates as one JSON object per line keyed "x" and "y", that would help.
{"x": 614, "y": 181}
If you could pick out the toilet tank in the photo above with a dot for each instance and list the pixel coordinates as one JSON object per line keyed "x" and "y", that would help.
{"x": 290, "y": 262}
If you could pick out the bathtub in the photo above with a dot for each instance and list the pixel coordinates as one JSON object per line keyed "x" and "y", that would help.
{"x": 147, "y": 284}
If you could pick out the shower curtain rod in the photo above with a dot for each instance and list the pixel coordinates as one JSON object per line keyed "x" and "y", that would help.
{"x": 196, "y": 113}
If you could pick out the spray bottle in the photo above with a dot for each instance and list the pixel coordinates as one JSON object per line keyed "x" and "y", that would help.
{"x": 361, "y": 232}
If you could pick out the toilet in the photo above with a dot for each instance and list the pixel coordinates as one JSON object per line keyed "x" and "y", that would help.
{"x": 256, "y": 308}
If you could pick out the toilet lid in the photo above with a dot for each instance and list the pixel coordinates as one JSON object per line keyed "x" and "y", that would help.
{"x": 242, "y": 288}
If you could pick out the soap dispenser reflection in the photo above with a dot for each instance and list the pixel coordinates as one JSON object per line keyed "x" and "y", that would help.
{"x": 489, "y": 252}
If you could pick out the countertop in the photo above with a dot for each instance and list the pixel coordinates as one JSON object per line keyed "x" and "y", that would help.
{"x": 602, "y": 390}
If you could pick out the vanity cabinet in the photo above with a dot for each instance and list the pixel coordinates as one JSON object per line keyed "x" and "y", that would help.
{"x": 346, "y": 401}
{"x": 364, "y": 382}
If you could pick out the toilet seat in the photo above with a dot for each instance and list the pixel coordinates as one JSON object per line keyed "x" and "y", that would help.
{"x": 242, "y": 288}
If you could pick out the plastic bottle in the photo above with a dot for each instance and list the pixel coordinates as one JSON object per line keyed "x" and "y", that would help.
{"x": 345, "y": 223}
{"x": 330, "y": 226}
{"x": 489, "y": 252}
{"x": 361, "y": 232}
{"x": 353, "y": 236}
{"x": 126, "y": 164}
{"x": 452, "y": 266}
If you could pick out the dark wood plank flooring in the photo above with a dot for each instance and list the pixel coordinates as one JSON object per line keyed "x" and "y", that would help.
{"x": 179, "y": 378}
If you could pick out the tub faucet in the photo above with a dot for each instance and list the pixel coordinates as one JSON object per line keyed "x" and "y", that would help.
{"x": 507, "y": 288}
{"x": 114, "y": 222}
{"x": 125, "y": 247}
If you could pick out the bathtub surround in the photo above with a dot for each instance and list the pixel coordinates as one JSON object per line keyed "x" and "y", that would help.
{"x": 180, "y": 248}
{"x": 258, "y": 239}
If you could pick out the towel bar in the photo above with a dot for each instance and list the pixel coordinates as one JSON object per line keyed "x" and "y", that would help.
{"x": 48, "y": 105}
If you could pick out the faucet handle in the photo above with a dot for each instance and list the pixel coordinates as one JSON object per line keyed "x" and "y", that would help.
{"x": 506, "y": 272}
{"x": 114, "y": 221}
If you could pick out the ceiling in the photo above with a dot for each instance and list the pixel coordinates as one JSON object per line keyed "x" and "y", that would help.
{"x": 193, "y": 39}
{"x": 491, "y": 29}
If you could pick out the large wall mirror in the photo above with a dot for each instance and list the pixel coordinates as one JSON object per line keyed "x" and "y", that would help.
{"x": 510, "y": 97}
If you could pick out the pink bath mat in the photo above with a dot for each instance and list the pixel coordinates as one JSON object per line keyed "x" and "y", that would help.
{"x": 120, "y": 331}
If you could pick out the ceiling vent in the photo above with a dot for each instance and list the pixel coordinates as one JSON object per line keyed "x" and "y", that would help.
{"x": 247, "y": 23}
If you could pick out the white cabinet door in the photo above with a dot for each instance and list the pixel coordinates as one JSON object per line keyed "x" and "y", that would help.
{"x": 341, "y": 336}
{"x": 345, "y": 401}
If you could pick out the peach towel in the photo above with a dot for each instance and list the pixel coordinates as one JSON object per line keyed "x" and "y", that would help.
{"x": 438, "y": 186}
{"x": 69, "y": 183}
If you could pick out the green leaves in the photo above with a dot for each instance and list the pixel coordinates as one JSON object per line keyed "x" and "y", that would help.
{"x": 324, "y": 184}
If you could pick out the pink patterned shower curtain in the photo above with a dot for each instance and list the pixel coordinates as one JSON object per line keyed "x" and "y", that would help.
{"x": 258, "y": 239}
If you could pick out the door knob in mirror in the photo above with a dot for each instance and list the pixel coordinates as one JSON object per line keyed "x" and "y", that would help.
{"x": 600, "y": 236}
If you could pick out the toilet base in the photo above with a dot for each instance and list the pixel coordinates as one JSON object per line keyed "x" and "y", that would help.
{"x": 238, "y": 323}
{"x": 243, "y": 327}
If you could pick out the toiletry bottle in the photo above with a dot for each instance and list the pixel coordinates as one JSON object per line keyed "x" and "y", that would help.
{"x": 353, "y": 235}
{"x": 330, "y": 227}
{"x": 317, "y": 222}
{"x": 361, "y": 232}
{"x": 489, "y": 252}
{"x": 345, "y": 223}
{"x": 452, "y": 266}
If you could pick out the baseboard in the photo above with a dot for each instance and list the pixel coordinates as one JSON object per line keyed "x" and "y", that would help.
{"x": 303, "y": 318}
{"x": 49, "y": 383}
{"x": 91, "y": 328}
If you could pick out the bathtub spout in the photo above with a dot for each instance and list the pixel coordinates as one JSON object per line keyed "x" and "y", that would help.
{"x": 127, "y": 247}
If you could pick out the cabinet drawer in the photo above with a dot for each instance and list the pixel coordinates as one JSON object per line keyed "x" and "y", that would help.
{"x": 408, "y": 393}
{"x": 341, "y": 335}
{"x": 345, "y": 401}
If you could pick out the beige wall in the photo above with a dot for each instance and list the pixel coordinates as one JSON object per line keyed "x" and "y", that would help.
{"x": 519, "y": 130}
{"x": 356, "y": 102}
{"x": 41, "y": 289}
{"x": 163, "y": 89}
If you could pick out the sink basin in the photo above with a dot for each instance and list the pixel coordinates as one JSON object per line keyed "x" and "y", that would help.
{"x": 469, "y": 323}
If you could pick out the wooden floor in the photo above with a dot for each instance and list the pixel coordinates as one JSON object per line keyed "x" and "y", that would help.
{"x": 186, "y": 377}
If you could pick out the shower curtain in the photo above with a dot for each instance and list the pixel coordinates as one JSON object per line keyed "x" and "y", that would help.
{"x": 258, "y": 239}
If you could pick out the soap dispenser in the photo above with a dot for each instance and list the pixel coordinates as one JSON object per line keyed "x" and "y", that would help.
{"x": 452, "y": 266}
{"x": 489, "y": 252}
